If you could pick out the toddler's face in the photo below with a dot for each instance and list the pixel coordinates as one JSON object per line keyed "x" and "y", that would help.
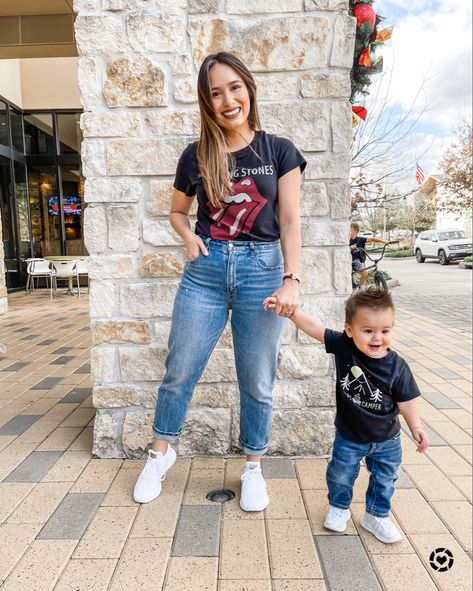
{"x": 371, "y": 331}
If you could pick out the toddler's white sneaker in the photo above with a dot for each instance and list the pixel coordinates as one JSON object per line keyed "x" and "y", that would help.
{"x": 149, "y": 483}
{"x": 381, "y": 527}
{"x": 253, "y": 488}
{"x": 336, "y": 519}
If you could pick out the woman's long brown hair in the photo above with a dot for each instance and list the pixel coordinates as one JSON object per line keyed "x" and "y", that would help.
{"x": 215, "y": 162}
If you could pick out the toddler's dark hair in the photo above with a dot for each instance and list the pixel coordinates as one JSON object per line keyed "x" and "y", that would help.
{"x": 372, "y": 297}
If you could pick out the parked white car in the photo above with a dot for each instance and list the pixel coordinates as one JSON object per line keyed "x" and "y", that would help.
{"x": 444, "y": 245}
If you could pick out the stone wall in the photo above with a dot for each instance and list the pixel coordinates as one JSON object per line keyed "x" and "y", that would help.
{"x": 137, "y": 72}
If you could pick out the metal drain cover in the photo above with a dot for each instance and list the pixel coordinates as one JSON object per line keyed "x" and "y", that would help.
{"x": 221, "y": 496}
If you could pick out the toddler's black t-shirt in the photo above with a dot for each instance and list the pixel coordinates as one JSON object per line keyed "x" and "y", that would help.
{"x": 251, "y": 212}
{"x": 368, "y": 390}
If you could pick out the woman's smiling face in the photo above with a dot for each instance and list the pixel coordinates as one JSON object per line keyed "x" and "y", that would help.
{"x": 229, "y": 98}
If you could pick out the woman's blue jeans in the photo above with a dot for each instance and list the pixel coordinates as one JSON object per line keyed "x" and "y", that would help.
{"x": 236, "y": 275}
{"x": 382, "y": 460}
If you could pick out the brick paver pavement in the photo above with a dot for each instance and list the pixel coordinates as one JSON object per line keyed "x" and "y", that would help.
{"x": 68, "y": 521}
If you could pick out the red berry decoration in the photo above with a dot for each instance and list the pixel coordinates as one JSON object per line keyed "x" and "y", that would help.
{"x": 368, "y": 38}
{"x": 365, "y": 18}
{"x": 363, "y": 13}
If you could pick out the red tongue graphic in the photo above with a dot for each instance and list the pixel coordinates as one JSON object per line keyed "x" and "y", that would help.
{"x": 237, "y": 218}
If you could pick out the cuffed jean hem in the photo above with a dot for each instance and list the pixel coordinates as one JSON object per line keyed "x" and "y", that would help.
{"x": 249, "y": 451}
{"x": 166, "y": 436}
{"x": 377, "y": 514}
{"x": 338, "y": 505}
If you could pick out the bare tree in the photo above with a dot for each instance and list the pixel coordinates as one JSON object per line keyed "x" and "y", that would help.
{"x": 392, "y": 210}
{"x": 381, "y": 145}
{"x": 373, "y": 218}
{"x": 416, "y": 214}
{"x": 457, "y": 168}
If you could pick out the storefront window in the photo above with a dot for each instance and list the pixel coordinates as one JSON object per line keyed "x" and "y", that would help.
{"x": 21, "y": 200}
{"x": 73, "y": 207}
{"x": 41, "y": 187}
{"x": 44, "y": 208}
{"x": 39, "y": 134}
{"x": 13, "y": 278}
{"x": 70, "y": 134}
{"x": 16, "y": 123}
{"x": 3, "y": 125}
{"x": 7, "y": 222}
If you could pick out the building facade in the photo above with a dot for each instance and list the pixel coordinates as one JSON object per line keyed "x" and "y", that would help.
{"x": 138, "y": 64}
{"x": 41, "y": 185}
{"x": 432, "y": 190}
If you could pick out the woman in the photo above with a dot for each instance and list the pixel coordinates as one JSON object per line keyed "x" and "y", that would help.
{"x": 247, "y": 185}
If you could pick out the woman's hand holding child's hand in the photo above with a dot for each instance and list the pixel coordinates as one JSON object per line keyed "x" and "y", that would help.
{"x": 270, "y": 303}
{"x": 283, "y": 302}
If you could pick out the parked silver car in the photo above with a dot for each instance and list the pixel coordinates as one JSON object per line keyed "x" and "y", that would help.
{"x": 444, "y": 245}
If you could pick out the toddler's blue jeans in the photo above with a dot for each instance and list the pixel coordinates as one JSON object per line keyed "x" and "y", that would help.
{"x": 382, "y": 460}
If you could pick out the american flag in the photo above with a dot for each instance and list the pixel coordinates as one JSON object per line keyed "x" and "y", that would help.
{"x": 420, "y": 175}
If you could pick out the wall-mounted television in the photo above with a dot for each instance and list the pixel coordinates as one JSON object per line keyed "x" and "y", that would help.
{"x": 70, "y": 203}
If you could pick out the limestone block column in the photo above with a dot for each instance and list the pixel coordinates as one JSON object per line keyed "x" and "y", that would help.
{"x": 138, "y": 68}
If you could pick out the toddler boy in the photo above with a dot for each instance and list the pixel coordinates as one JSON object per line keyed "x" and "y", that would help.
{"x": 374, "y": 385}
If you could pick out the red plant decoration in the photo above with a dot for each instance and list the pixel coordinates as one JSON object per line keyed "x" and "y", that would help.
{"x": 365, "y": 62}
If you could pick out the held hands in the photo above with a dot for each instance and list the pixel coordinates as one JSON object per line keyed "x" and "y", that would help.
{"x": 270, "y": 303}
{"x": 194, "y": 244}
{"x": 421, "y": 437}
{"x": 284, "y": 301}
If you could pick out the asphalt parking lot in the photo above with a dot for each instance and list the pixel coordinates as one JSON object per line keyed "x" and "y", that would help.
{"x": 440, "y": 292}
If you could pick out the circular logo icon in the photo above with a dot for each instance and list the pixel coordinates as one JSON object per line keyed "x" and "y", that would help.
{"x": 441, "y": 560}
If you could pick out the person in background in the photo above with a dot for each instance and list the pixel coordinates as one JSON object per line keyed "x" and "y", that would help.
{"x": 358, "y": 257}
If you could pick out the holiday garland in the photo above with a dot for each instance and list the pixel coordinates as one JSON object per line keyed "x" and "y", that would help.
{"x": 365, "y": 62}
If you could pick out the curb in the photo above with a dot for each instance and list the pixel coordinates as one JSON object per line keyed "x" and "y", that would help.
{"x": 393, "y": 283}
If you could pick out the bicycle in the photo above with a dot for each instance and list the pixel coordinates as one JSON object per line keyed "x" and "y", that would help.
{"x": 379, "y": 278}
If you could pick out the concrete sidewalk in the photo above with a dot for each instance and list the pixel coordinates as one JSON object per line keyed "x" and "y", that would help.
{"x": 68, "y": 521}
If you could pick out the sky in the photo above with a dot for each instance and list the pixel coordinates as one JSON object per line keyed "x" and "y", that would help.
{"x": 429, "y": 55}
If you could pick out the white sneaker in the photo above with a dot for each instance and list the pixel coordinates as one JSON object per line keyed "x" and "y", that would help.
{"x": 381, "y": 527}
{"x": 253, "y": 488}
{"x": 336, "y": 519}
{"x": 148, "y": 485}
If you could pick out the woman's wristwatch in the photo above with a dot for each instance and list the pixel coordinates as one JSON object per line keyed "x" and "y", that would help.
{"x": 291, "y": 276}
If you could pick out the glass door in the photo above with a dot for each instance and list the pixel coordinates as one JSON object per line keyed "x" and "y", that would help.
{"x": 72, "y": 184}
{"x": 45, "y": 212}
{"x": 12, "y": 269}
{"x": 22, "y": 218}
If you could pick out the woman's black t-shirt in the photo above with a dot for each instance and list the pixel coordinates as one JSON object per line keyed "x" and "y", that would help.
{"x": 251, "y": 211}
{"x": 368, "y": 390}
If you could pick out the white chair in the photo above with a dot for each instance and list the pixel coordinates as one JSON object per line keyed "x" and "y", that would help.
{"x": 37, "y": 268}
{"x": 82, "y": 269}
{"x": 66, "y": 270}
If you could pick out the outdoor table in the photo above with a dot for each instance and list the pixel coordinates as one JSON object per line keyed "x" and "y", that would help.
{"x": 53, "y": 259}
